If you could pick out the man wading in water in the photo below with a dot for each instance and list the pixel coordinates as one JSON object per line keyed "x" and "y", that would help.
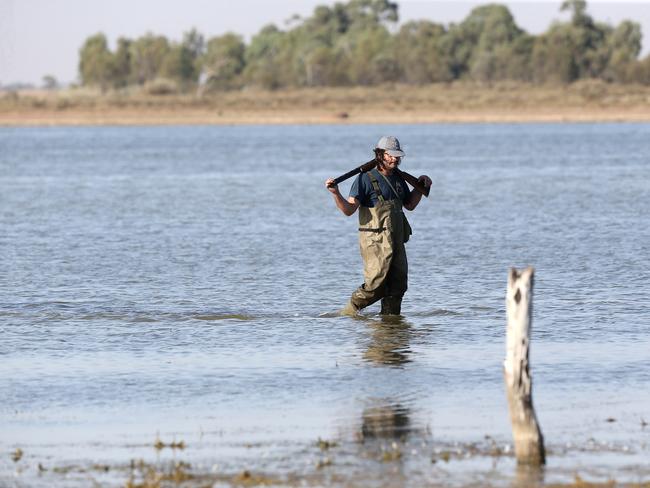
{"x": 380, "y": 195}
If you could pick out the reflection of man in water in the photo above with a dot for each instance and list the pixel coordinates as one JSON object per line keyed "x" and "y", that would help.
{"x": 389, "y": 342}
{"x": 385, "y": 421}
{"x": 389, "y": 346}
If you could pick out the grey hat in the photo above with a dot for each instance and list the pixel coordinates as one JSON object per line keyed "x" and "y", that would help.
{"x": 390, "y": 144}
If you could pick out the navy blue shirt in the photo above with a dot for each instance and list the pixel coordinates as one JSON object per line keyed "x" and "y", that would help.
{"x": 362, "y": 188}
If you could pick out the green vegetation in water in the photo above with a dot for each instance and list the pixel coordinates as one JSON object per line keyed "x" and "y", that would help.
{"x": 246, "y": 478}
{"x": 159, "y": 445}
{"x": 145, "y": 475}
{"x": 177, "y": 473}
{"x": 581, "y": 483}
{"x": 17, "y": 455}
{"x": 323, "y": 463}
{"x": 324, "y": 445}
{"x": 391, "y": 455}
{"x": 444, "y": 456}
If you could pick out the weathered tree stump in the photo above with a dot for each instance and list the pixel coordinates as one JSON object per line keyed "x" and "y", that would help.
{"x": 528, "y": 439}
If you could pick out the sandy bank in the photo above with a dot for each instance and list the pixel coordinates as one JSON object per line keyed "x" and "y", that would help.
{"x": 587, "y": 101}
{"x": 205, "y": 117}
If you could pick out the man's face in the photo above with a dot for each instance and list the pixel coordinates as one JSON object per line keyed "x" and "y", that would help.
{"x": 391, "y": 162}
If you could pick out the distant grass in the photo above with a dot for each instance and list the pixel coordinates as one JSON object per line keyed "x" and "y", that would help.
{"x": 438, "y": 101}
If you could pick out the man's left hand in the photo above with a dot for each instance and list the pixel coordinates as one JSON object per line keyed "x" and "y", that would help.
{"x": 425, "y": 180}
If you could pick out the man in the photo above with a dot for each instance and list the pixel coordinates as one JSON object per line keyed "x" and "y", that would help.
{"x": 380, "y": 195}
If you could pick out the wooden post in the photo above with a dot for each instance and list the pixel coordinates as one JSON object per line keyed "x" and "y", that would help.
{"x": 528, "y": 439}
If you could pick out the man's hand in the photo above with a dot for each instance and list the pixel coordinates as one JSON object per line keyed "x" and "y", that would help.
{"x": 425, "y": 180}
{"x": 349, "y": 206}
{"x": 415, "y": 196}
{"x": 331, "y": 186}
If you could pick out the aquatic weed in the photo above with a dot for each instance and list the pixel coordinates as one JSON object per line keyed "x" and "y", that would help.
{"x": 325, "y": 445}
{"x": 17, "y": 455}
{"x": 322, "y": 463}
{"x": 151, "y": 477}
{"x": 159, "y": 445}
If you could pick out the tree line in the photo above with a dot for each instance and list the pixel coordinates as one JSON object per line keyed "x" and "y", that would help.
{"x": 360, "y": 43}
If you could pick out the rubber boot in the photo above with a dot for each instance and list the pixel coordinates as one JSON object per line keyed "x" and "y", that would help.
{"x": 391, "y": 306}
{"x": 350, "y": 309}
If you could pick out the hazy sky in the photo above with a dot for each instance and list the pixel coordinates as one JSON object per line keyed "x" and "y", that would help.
{"x": 39, "y": 37}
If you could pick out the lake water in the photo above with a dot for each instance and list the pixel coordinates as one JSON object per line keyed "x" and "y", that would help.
{"x": 180, "y": 283}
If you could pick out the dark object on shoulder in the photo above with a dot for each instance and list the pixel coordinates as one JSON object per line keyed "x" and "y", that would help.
{"x": 364, "y": 168}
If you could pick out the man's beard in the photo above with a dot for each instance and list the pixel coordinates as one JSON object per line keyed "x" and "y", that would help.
{"x": 384, "y": 164}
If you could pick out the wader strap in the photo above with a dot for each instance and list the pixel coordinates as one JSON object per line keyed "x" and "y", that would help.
{"x": 375, "y": 187}
{"x": 391, "y": 186}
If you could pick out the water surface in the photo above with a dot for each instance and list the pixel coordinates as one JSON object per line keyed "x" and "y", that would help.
{"x": 180, "y": 283}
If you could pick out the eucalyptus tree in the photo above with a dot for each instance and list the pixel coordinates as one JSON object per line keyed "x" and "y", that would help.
{"x": 358, "y": 42}
{"x": 182, "y": 60}
{"x": 194, "y": 42}
{"x": 420, "y": 53}
{"x": 347, "y": 43}
{"x": 316, "y": 61}
{"x": 490, "y": 46}
{"x": 583, "y": 48}
{"x": 366, "y": 47}
{"x": 624, "y": 46}
{"x": 223, "y": 61}
{"x": 268, "y": 60}
{"x": 96, "y": 62}
{"x": 50, "y": 82}
{"x": 122, "y": 63}
{"x": 365, "y": 13}
{"x": 639, "y": 72}
{"x": 586, "y": 40}
{"x": 148, "y": 55}
{"x": 553, "y": 57}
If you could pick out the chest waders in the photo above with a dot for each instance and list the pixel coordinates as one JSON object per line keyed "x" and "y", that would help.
{"x": 382, "y": 233}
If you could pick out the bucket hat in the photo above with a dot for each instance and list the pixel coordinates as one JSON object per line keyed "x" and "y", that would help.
{"x": 391, "y": 145}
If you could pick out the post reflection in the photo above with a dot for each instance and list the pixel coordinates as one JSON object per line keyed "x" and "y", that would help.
{"x": 528, "y": 476}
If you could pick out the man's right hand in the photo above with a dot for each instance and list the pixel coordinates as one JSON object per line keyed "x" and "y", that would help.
{"x": 349, "y": 206}
{"x": 331, "y": 186}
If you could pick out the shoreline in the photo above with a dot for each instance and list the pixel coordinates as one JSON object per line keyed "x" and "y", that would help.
{"x": 117, "y": 118}
{"x": 585, "y": 101}
{"x": 110, "y": 117}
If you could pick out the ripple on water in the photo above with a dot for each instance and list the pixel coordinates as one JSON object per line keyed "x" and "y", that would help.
{"x": 436, "y": 312}
{"x": 224, "y": 316}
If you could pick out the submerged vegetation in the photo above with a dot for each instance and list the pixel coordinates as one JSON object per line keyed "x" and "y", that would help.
{"x": 361, "y": 43}
{"x": 383, "y": 462}
{"x": 159, "y": 445}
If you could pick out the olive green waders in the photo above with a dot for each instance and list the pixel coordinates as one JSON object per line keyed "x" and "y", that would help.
{"x": 383, "y": 230}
